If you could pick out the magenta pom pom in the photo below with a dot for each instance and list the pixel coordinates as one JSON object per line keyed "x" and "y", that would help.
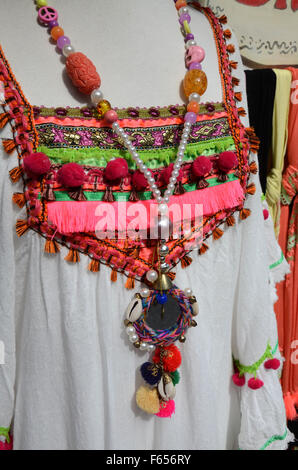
{"x": 227, "y": 161}
{"x": 265, "y": 214}
{"x": 238, "y": 380}
{"x": 167, "y": 173}
{"x": 116, "y": 169}
{"x": 139, "y": 181}
{"x": 71, "y": 175}
{"x": 166, "y": 409}
{"x": 254, "y": 384}
{"x": 272, "y": 364}
{"x": 36, "y": 164}
{"x": 201, "y": 166}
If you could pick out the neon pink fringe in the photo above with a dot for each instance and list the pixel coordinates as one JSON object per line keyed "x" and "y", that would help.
{"x": 72, "y": 216}
{"x": 290, "y": 401}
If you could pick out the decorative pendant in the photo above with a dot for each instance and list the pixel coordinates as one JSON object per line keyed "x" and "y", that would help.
{"x": 156, "y": 318}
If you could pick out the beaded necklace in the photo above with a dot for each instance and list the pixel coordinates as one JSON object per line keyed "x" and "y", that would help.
{"x": 147, "y": 326}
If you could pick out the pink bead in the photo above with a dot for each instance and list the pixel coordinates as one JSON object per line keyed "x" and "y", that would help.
{"x": 265, "y": 214}
{"x": 194, "y": 54}
{"x": 47, "y": 14}
{"x": 190, "y": 117}
{"x": 111, "y": 116}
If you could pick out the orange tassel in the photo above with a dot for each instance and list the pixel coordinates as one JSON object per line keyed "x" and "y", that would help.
{"x": 171, "y": 275}
{"x": 244, "y": 213}
{"x": 4, "y": 118}
{"x": 235, "y": 81}
{"x": 8, "y": 145}
{"x": 51, "y": 247}
{"x": 253, "y": 168}
{"x": 227, "y": 33}
{"x": 94, "y": 266}
{"x": 231, "y": 221}
{"x": 130, "y": 283}
{"x": 231, "y": 48}
{"x": 185, "y": 261}
{"x": 250, "y": 130}
{"x": 217, "y": 233}
{"x": 203, "y": 249}
{"x": 233, "y": 64}
{"x": 223, "y": 19}
{"x": 15, "y": 174}
{"x": 72, "y": 256}
{"x": 238, "y": 96}
{"x": 241, "y": 112}
{"x": 114, "y": 275}
{"x": 251, "y": 188}
{"x": 19, "y": 199}
{"x": 21, "y": 227}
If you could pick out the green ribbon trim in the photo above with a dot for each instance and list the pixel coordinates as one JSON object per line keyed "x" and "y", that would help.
{"x": 143, "y": 196}
{"x": 252, "y": 369}
{"x": 153, "y": 158}
{"x": 277, "y": 263}
{"x": 5, "y": 432}
{"x": 274, "y": 438}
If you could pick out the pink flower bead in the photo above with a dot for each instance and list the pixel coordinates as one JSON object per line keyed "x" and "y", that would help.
{"x": 111, "y": 116}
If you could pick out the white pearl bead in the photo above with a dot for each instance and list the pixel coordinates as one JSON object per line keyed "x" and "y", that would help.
{"x": 150, "y": 347}
{"x": 188, "y": 292}
{"x": 183, "y": 10}
{"x": 96, "y": 95}
{"x": 116, "y": 127}
{"x": 180, "y": 160}
{"x": 163, "y": 208}
{"x": 143, "y": 346}
{"x": 190, "y": 43}
{"x": 171, "y": 186}
{"x": 175, "y": 173}
{"x": 156, "y": 192}
{"x": 166, "y": 199}
{"x": 143, "y": 167}
{"x": 130, "y": 330}
{"x": 147, "y": 173}
{"x": 67, "y": 50}
{"x": 184, "y": 140}
{"x": 145, "y": 292}
{"x": 138, "y": 161}
{"x": 151, "y": 180}
{"x": 133, "y": 338}
{"x": 194, "y": 97}
{"x": 159, "y": 199}
{"x": 153, "y": 186}
{"x": 151, "y": 275}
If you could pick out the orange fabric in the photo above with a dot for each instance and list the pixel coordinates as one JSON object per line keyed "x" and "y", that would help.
{"x": 286, "y": 308}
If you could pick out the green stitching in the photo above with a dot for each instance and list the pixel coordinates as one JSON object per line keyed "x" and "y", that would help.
{"x": 143, "y": 196}
{"x": 277, "y": 263}
{"x": 153, "y": 158}
{"x": 276, "y": 437}
{"x": 268, "y": 354}
{"x": 5, "y": 432}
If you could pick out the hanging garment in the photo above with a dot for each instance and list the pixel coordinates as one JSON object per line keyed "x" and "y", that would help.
{"x": 70, "y": 372}
{"x": 279, "y": 143}
{"x": 261, "y": 86}
{"x": 286, "y": 307}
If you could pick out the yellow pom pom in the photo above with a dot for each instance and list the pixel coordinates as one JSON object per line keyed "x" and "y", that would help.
{"x": 147, "y": 399}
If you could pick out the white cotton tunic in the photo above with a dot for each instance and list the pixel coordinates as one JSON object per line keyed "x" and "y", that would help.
{"x": 71, "y": 374}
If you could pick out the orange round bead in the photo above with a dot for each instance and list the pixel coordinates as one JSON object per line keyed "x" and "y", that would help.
{"x": 195, "y": 81}
{"x": 180, "y": 3}
{"x": 193, "y": 107}
{"x": 56, "y": 32}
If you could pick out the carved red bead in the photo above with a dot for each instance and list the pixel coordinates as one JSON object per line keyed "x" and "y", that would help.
{"x": 82, "y": 72}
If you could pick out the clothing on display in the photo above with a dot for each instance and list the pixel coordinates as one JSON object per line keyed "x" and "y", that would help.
{"x": 69, "y": 379}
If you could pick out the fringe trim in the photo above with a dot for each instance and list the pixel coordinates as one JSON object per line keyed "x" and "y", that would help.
{"x": 114, "y": 275}
{"x": 253, "y": 139}
{"x": 94, "y": 266}
{"x": 185, "y": 261}
{"x": 72, "y": 256}
{"x": 235, "y": 81}
{"x": 253, "y": 168}
{"x": 9, "y": 145}
{"x": 242, "y": 112}
{"x": 217, "y": 233}
{"x": 244, "y": 213}
{"x": 21, "y": 227}
{"x": 4, "y": 118}
{"x": 238, "y": 96}
{"x": 19, "y": 199}
{"x": 203, "y": 249}
{"x": 251, "y": 189}
{"x": 233, "y": 64}
{"x": 15, "y": 174}
{"x": 51, "y": 247}
{"x": 130, "y": 283}
{"x": 231, "y": 221}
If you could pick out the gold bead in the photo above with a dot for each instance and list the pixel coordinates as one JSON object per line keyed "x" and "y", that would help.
{"x": 102, "y": 107}
{"x": 194, "y": 323}
{"x": 137, "y": 344}
{"x": 195, "y": 81}
{"x": 182, "y": 339}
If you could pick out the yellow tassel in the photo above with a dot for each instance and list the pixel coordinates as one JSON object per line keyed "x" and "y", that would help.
{"x": 51, "y": 247}
{"x": 94, "y": 266}
{"x": 114, "y": 275}
{"x": 19, "y": 199}
{"x": 72, "y": 256}
{"x": 130, "y": 283}
{"x": 8, "y": 145}
{"x": 244, "y": 213}
{"x": 251, "y": 188}
{"x": 231, "y": 221}
{"x": 4, "y": 118}
{"x": 21, "y": 227}
{"x": 217, "y": 233}
{"x": 15, "y": 174}
{"x": 203, "y": 249}
{"x": 185, "y": 261}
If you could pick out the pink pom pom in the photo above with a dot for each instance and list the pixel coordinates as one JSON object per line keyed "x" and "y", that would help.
{"x": 166, "y": 409}
{"x": 36, "y": 164}
{"x": 116, "y": 169}
{"x": 139, "y": 181}
{"x": 167, "y": 173}
{"x": 201, "y": 166}
{"x": 265, "y": 214}
{"x": 239, "y": 381}
{"x": 255, "y": 383}
{"x": 71, "y": 175}
{"x": 272, "y": 364}
{"x": 227, "y": 161}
